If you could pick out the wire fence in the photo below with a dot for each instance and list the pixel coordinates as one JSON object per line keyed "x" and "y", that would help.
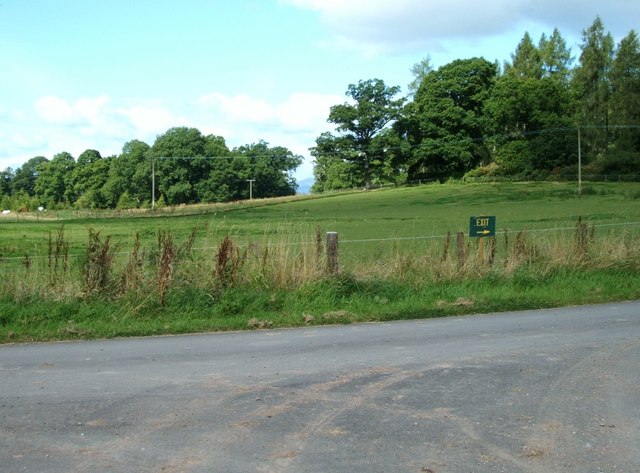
{"x": 256, "y": 245}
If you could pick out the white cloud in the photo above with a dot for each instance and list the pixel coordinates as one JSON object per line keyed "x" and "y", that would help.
{"x": 298, "y": 112}
{"x": 92, "y": 109}
{"x": 306, "y": 112}
{"x": 378, "y": 25}
{"x": 240, "y": 108}
{"x": 149, "y": 118}
{"x": 57, "y": 111}
{"x": 55, "y": 125}
{"x": 294, "y": 122}
{"x": 85, "y": 112}
{"x": 98, "y": 118}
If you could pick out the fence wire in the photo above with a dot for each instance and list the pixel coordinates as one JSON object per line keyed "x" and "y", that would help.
{"x": 342, "y": 241}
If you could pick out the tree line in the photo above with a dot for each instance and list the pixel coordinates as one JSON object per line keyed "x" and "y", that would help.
{"x": 467, "y": 119}
{"x": 186, "y": 166}
{"x": 473, "y": 118}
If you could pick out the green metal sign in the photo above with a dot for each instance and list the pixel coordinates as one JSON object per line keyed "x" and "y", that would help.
{"x": 482, "y": 226}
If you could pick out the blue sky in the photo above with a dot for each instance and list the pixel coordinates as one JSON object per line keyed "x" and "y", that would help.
{"x": 80, "y": 74}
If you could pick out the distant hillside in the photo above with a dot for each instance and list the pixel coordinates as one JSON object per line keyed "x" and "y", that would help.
{"x": 304, "y": 185}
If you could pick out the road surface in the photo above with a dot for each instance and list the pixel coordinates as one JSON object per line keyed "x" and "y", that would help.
{"x": 539, "y": 391}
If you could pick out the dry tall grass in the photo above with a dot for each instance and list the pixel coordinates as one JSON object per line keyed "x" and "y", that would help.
{"x": 289, "y": 260}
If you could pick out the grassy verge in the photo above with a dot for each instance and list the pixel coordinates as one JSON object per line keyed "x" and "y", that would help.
{"x": 337, "y": 300}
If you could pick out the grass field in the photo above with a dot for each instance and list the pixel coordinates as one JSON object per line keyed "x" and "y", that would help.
{"x": 169, "y": 272}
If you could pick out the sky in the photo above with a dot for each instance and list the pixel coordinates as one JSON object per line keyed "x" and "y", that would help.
{"x": 95, "y": 74}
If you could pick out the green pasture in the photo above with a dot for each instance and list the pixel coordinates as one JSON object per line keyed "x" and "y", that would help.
{"x": 396, "y": 261}
{"x": 415, "y": 212}
{"x": 370, "y": 224}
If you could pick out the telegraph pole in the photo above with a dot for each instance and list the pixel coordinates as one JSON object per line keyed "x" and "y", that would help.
{"x": 251, "y": 181}
{"x": 153, "y": 184}
{"x": 579, "y": 164}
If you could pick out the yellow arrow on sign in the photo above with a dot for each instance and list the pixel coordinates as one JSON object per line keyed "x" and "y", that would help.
{"x": 484, "y": 232}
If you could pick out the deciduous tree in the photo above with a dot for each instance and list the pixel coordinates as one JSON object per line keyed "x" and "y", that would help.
{"x": 25, "y": 176}
{"x": 180, "y": 164}
{"x": 445, "y": 124}
{"x": 373, "y": 107}
{"x": 53, "y": 178}
{"x": 130, "y": 174}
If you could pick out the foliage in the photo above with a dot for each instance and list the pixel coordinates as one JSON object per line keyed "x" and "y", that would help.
{"x": 592, "y": 87}
{"x": 270, "y": 168}
{"x": 555, "y": 56}
{"x": 25, "y": 176}
{"x": 419, "y": 72}
{"x": 526, "y": 62}
{"x": 373, "y": 106}
{"x": 331, "y": 170}
{"x": 129, "y": 175}
{"x": 521, "y": 123}
{"x": 521, "y": 110}
{"x": 52, "y": 183}
{"x": 445, "y": 123}
{"x": 625, "y": 93}
{"x": 188, "y": 166}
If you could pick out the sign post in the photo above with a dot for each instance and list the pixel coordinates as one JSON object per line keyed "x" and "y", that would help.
{"x": 482, "y": 227}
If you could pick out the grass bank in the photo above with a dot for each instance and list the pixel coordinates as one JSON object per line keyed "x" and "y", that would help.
{"x": 337, "y": 300}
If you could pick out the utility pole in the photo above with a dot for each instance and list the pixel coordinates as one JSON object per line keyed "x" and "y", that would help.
{"x": 153, "y": 184}
{"x": 251, "y": 181}
{"x": 579, "y": 165}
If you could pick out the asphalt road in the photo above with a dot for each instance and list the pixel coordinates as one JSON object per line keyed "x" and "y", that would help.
{"x": 541, "y": 391}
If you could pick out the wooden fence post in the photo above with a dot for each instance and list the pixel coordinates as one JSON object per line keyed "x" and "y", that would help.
{"x": 460, "y": 249}
{"x": 332, "y": 252}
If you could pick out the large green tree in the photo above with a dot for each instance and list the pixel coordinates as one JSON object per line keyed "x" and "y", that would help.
{"x": 270, "y": 167}
{"x": 129, "y": 181}
{"x": 372, "y": 108}
{"x": 25, "y": 176}
{"x": 54, "y": 178}
{"x": 592, "y": 86}
{"x": 555, "y": 56}
{"x": 445, "y": 124}
{"x": 531, "y": 119}
{"x": 330, "y": 170}
{"x": 180, "y": 163}
{"x": 87, "y": 179}
{"x": 6, "y": 178}
{"x": 526, "y": 62}
{"x": 220, "y": 185}
{"x": 625, "y": 93}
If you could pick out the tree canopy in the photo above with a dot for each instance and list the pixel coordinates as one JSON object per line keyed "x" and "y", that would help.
{"x": 470, "y": 118}
{"x": 188, "y": 167}
{"x": 360, "y": 122}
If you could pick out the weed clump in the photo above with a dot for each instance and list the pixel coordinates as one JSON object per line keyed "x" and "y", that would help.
{"x": 165, "y": 263}
{"x": 228, "y": 263}
{"x": 58, "y": 258}
{"x": 98, "y": 262}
